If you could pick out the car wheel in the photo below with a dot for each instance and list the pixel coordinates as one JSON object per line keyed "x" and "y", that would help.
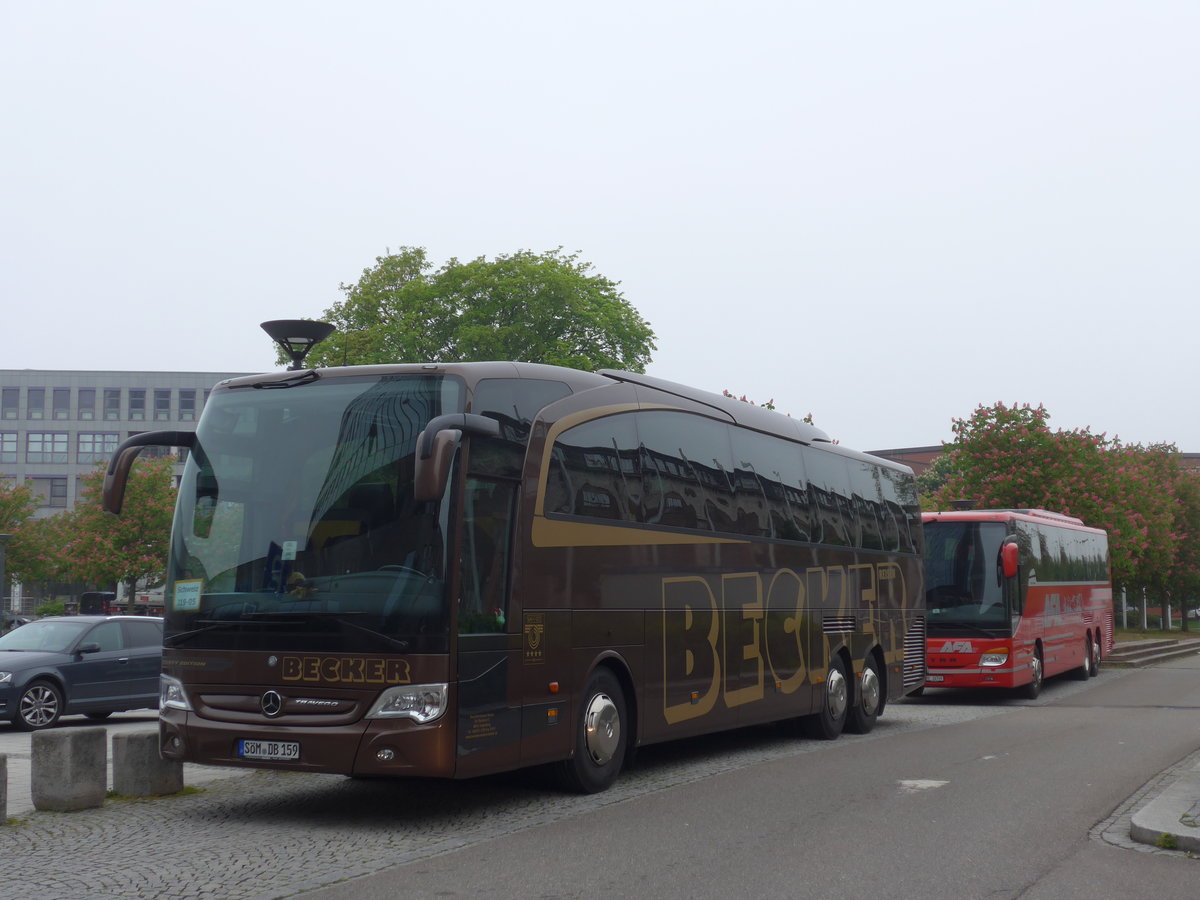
{"x": 39, "y": 706}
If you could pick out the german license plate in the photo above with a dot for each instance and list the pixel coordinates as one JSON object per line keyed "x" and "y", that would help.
{"x": 933, "y": 679}
{"x": 273, "y": 751}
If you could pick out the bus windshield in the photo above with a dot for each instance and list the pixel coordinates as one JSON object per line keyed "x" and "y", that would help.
{"x": 296, "y": 527}
{"x": 963, "y": 582}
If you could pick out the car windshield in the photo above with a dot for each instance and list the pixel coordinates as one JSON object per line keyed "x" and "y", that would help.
{"x": 297, "y": 527}
{"x": 52, "y": 636}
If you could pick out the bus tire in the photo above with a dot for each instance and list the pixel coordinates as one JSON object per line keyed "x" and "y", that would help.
{"x": 1084, "y": 672}
{"x": 1094, "y": 655}
{"x": 830, "y": 718}
{"x": 1031, "y": 690}
{"x": 601, "y": 736}
{"x": 868, "y": 700}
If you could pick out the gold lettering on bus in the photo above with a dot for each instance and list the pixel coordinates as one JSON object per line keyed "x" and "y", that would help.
{"x": 731, "y": 649}
{"x": 345, "y": 670}
{"x": 692, "y": 673}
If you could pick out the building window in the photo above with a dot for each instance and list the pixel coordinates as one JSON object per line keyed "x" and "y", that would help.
{"x": 8, "y": 446}
{"x": 87, "y": 403}
{"x": 112, "y": 404}
{"x": 46, "y": 447}
{"x": 51, "y": 492}
{"x": 162, "y": 404}
{"x": 96, "y": 447}
{"x": 36, "y": 404}
{"x": 10, "y": 399}
{"x": 61, "y": 403}
{"x": 137, "y": 404}
{"x": 187, "y": 405}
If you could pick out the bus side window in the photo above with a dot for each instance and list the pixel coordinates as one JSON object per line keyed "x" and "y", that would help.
{"x": 488, "y": 510}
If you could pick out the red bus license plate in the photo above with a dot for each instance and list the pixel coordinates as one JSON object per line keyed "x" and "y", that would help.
{"x": 934, "y": 678}
{"x": 274, "y": 751}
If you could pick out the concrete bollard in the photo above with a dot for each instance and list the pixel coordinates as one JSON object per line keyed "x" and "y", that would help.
{"x": 3, "y": 789}
{"x": 69, "y": 768}
{"x": 139, "y": 770}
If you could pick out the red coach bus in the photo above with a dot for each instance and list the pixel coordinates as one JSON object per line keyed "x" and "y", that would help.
{"x": 1014, "y": 596}
{"x": 452, "y": 570}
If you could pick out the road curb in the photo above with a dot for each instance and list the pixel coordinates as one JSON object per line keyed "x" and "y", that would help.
{"x": 1171, "y": 820}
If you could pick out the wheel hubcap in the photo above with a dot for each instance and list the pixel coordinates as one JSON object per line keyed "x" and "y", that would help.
{"x": 1037, "y": 670}
{"x": 835, "y": 694}
{"x": 602, "y": 729}
{"x": 39, "y": 706}
{"x": 870, "y": 691}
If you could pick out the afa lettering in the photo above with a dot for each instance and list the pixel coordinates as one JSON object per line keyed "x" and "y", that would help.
{"x": 723, "y": 637}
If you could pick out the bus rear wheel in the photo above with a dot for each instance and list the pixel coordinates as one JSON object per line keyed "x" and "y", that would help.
{"x": 1094, "y": 656}
{"x": 868, "y": 700}
{"x": 1084, "y": 672}
{"x": 829, "y": 720}
{"x": 600, "y": 736}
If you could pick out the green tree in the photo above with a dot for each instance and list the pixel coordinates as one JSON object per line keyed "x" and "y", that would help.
{"x": 17, "y": 503}
{"x": 546, "y": 308}
{"x": 131, "y": 547}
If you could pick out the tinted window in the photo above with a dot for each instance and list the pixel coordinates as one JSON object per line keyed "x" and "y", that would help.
{"x": 142, "y": 634}
{"x": 687, "y": 463}
{"x": 829, "y": 487}
{"x": 515, "y": 403}
{"x": 594, "y": 471}
{"x": 770, "y": 476}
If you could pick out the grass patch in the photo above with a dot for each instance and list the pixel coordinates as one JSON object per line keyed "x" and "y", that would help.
{"x": 1141, "y": 634}
{"x": 1166, "y": 842}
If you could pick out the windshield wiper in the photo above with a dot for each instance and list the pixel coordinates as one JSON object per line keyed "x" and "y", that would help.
{"x": 305, "y": 377}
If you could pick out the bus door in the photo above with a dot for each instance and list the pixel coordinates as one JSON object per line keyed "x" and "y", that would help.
{"x": 489, "y": 638}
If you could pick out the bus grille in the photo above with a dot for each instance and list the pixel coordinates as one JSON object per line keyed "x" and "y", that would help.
{"x": 839, "y": 624}
{"x": 914, "y": 654}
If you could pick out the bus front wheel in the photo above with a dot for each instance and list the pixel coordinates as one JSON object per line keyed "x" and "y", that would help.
{"x": 829, "y": 720}
{"x": 600, "y": 736}
{"x": 1031, "y": 690}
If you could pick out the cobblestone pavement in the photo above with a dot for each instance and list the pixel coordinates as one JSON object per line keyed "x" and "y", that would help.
{"x": 267, "y": 834}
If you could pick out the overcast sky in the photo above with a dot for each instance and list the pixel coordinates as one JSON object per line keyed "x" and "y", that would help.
{"x": 884, "y": 214}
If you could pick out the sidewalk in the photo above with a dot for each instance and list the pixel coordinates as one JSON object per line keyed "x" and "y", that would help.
{"x": 1171, "y": 820}
{"x": 20, "y": 798}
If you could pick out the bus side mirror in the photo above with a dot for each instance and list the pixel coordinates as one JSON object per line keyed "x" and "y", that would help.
{"x": 1009, "y": 555}
{"x": 430, "y": 473}
{"x": 113, "y": 493}
{"x": 435, "y": 450}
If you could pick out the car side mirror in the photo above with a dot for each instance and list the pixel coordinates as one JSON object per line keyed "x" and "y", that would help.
{"x": 89, "y": 647}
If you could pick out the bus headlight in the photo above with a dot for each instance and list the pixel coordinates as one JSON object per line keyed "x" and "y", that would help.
{"x": 171, "y": 694}
{"x": 420, "y": 702}
{"x": 997, "y": 657}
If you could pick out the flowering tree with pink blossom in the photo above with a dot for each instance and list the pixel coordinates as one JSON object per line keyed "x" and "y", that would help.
{"x": 1008, "y": 456}
{"x": 105, "y": 549}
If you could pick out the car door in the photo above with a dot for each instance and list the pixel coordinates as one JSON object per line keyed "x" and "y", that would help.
{"x": 95, "y": 679}
{"x": 143, "y": 646}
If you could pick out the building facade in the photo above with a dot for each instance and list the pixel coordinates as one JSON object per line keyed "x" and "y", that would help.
{"x": 56, "y": 426}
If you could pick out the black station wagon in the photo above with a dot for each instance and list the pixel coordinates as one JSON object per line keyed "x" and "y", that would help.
{"x": 90, "y": 665}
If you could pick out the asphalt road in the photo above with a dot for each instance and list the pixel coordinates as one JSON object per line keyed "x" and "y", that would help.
{"x": 952, "y": 795}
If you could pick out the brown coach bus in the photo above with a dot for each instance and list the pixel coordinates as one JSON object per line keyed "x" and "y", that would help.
{"x": 452, "y": 570}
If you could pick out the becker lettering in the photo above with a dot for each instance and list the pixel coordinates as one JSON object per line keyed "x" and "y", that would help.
{"x": 345, "y": 670}
{"x": 727, "y": 638}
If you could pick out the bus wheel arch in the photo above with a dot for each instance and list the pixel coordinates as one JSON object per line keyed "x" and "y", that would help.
{"x": 603, "y": 732}
{"x": 869, "y": 695}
